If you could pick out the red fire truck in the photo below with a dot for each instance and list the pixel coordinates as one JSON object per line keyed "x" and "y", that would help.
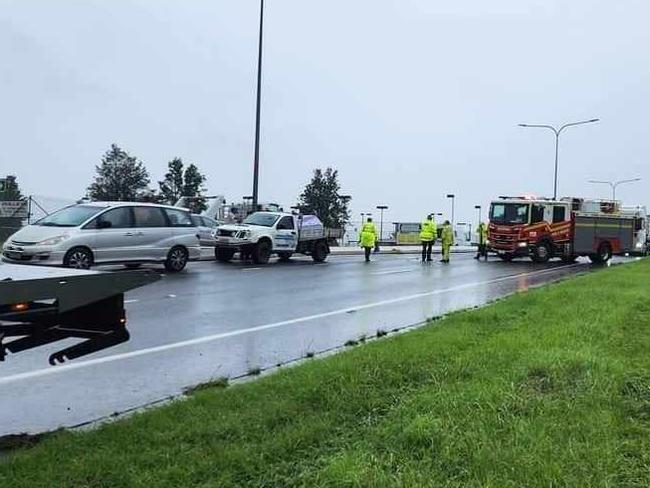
{"x": 565, "y": 228}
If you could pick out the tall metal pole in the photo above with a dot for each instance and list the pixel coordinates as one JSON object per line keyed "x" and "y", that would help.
{"x": 453, "y": 198}
{"x": 256, "y": 163}
{"x": 614, "y": 184}
{"x": 557, "y": 133}
{"x": 381, "y": 221}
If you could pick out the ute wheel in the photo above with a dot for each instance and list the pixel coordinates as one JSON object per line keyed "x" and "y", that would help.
{"x": 603, "y": 255}
{"x": 262, "y": 252}
{"x": 78, "y": 258}
{"x": 285, "y": 256}
{"x": 319, "y": 252}
{"x": 176, "y": 259}
{"x": 506, "y": 257}
{"x": 223, "y": 254}
{"x": 541, "y": 253}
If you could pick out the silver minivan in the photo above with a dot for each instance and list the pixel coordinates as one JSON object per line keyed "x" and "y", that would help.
{"x": 80, "y": 236}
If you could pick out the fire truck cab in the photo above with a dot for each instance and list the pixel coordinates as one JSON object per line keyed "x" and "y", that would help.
{"x": 565, "y": 228}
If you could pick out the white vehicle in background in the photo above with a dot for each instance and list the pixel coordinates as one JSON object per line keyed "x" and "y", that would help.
{"x": 641, "y": 234}
{"x": 206, "y": 227}
{"x": 83, "y": 235}
{"x": 263, "y": 234}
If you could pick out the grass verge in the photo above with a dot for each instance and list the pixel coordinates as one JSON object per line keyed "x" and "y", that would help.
{"x": 546, "y": 388}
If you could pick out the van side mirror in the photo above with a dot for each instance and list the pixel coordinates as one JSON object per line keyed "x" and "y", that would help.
{"x": 104, "y": 224}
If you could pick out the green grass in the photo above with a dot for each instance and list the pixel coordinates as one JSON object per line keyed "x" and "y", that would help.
{"x": 549, "y": 388}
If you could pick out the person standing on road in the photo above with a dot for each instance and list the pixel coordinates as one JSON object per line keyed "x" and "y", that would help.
{"x": 447, "y": 241}
{"x": 428, "y": 232}
{"x": 482, "y": 241}
{"x": 368, "y": 237}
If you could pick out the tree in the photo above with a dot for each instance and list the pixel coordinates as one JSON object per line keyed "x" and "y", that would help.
{"x": 321, "y": 197}
{"x": 120, "y": 177}
{"x": 9, "y": 190}
{"x": 183, "y": 182}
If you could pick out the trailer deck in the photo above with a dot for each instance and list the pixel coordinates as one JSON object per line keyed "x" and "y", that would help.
{"x": 41, "y": 305}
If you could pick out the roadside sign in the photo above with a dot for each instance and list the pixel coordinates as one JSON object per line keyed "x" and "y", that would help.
{"x": 17, "y": 209}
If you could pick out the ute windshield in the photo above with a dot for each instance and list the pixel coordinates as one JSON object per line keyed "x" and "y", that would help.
{"x": 72, "y": 216}
{"x": 509, "y": 213}
{"x": 261, "y": 218}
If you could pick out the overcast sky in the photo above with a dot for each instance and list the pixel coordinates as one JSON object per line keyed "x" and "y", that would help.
{"x": 408, "y": 99}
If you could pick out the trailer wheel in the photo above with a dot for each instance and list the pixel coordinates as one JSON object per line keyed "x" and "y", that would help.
{"x": 223, "y": 254}
{"x": 541, "y": 253}
{"x": 78, "y": 258}
{"x": 262, "y": 252}
{"x": 319, "y": 252}
{"x": 285, "y": 256}
{"x": 603, "y": 254}
{"x": 176, "y": 259}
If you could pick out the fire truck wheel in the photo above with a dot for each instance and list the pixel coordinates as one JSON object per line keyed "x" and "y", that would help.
{"x": 603, "y": 255}
{"x": 541, "y": 253}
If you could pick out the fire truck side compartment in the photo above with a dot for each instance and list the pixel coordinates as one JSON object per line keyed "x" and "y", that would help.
{"x": 591, "y": 231}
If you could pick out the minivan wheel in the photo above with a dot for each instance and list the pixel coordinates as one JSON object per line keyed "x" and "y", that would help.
{"x": 78, "y": 258}
{"x": 176, "y": 259}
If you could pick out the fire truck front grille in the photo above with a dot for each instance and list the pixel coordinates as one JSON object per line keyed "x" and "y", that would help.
{"x": 502, "y": 240}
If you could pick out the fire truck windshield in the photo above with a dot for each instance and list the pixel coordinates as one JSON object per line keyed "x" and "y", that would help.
{"x": 509, "y": 213}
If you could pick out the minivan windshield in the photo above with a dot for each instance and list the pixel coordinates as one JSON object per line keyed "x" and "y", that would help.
{"x": 261, "y": 218}
{"x": 509, "y": 213}
{"x": 70, "y": 216}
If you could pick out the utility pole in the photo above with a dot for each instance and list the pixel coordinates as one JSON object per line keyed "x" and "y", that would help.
{"x": 453, "y": 198}
{"x": 614, "y": 184}
{"x": 256, "y": 163}
{"x": 381, "y": 221}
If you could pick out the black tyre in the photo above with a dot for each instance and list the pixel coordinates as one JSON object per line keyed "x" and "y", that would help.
{"x": 285, "y": 256}
{"x": 319, "y": 252}
{"x": 262, "y": 252}
{"x": 132, "y": 265}
{"x": 78, "y": 258}
{"x": 176, "y": 259}
{"x": 603, "y": 254}
{"x": 506, "y": 257}
{"x": 223, "y": 254}
{"x": 541, "y": 253}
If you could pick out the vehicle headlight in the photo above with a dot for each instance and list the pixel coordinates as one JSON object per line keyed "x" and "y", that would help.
{"x": 53, "y": 241}
{"x": 522, "y": 244}
{"x": 244, "y": 234}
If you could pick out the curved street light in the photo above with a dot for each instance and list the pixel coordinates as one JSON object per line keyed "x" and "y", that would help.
{"x": 557, "y": 133}
{"x": 614, "y": 184}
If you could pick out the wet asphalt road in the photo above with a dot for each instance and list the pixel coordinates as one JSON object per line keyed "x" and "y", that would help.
{"x": 223, "y": 320}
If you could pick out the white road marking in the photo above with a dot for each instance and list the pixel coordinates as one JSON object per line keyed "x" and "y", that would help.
{"x": 224, "y": 335}
{"x": 250, "y": 269}
{"x": 171, "y": 295}
{"x": 394, "y": 271}
{"x": 131, "y": 301}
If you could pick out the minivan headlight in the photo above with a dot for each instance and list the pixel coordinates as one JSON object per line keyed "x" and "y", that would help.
{"x": 53, "y": 241}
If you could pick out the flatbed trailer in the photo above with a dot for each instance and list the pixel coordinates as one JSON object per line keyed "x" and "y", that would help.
{"x": 39, "y": 306}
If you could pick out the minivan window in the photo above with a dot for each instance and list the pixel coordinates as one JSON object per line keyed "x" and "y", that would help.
{"x": 149, "y": 217}
{"x": 117, "y": 218}
{"x": 179, "y": 218}
{"x": 70, "y": 216}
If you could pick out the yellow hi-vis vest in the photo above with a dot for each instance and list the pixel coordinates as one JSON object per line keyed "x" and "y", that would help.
{"x": 482, "y": 233}
{"x": 428, "y": 230}
{"x": 368, "y": 235}
{"x": 447, "y": 235}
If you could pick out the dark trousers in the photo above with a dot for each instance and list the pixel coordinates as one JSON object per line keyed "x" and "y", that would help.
{"x": 482, "y": 251}
{"x": 426, "y": 250}
{"x": 368, "y": 250}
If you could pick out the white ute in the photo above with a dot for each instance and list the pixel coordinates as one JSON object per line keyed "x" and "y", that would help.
{"x": 262, "y": 234}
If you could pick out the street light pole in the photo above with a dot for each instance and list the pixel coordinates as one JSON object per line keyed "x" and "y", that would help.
{"x": 557, "y": 133}
{"x": 453, "y": 198}
{"x": 256, "y": 162}
{"x": 381, "y": 220}
{"x": 614, "y": 184}
{"x": 478, "y": 207}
